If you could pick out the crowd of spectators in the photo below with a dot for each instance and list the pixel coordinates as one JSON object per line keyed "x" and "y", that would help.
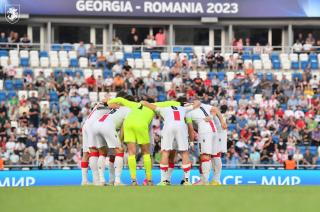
{"x": 264, "y": 130}
{"x": 306, "y": 44}
{"x": 12, "y": 38}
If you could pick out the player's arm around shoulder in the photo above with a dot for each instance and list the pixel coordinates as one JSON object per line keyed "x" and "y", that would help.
{"x": 167, "y": 104}
{"x": 123, "y": 102}
{"x": 149, "y": 105}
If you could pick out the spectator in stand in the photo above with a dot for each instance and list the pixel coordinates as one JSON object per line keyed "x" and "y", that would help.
{"x": 91, "y": 82}
{"x": 111, "y": 60}
{"x": 309, "y": 158}
{"x": 116, "y": 44}
{"x": 160, "y": 38}
{"x": 82, "y": 51}
{"x": 3, "y": 38}
{"x": 220, "y": 61}
{"x": 257, "y": 49}
{"x": 134, "y": 37}
{"x": 210, "y": 60}
{"x": 118, "y": 82}
{"x": 297, "y": 47}
{"x": 149, "y": 42}
{"x": 268, "y": 49}
{"x": 92, "y": 51}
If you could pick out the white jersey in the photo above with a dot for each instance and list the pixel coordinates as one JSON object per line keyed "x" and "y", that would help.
{"x": 96, "y": 113}
{"x": 115, "y": 116}
{"x": 174, "y": 115}
{"x": 198, "y": 116}
{"x": 174, "y": 132}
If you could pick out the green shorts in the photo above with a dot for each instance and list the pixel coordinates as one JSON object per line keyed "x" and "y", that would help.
{"x": 134, "y": 133}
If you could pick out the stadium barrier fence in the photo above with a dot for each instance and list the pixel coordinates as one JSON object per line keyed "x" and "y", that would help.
{"x": 228, "y": 177}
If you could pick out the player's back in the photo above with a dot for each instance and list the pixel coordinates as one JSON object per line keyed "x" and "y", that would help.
{"x": 173, "y": 115}
{"x": 117, "y": 116}
{"x": 198, "y": 116}
{"x": 95, "y": 114}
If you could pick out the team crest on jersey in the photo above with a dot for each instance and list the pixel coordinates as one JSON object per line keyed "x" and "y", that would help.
{"x": 12, "y": 14}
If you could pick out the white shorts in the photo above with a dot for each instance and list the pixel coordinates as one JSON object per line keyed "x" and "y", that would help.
{"x": 104, "y": 134}
{"x": 207, "y": 144}
{"x": 175, "y": 138}
{"x": 221, "y": 140}
{"x": 85, "y": 144}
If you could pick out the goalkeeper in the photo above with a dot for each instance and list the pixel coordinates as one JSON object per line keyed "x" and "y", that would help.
{"x": 136, "y": 131}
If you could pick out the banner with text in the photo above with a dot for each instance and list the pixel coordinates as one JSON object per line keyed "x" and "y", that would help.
{"x": 169, "y": 8}
{"x": 229, "y": 177}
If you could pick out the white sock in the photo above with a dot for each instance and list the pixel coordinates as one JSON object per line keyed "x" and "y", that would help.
{"x": 93, "y": 163}
{"x": 164, "y": 172}
{"x": 102, "y": 168}
{"x": 186, "y": 169}
{"x": 217, "y": 166}
{"x": 206, "y": 167}
{"x": 111, "y": 172}
{"x": 170, "y": 170}
{"x": 118, "y": 166}
{"x": 84, "y": 171}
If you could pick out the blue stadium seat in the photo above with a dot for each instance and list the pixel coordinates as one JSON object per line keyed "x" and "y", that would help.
{"x": 188, "y": 50}
{"x": 177, "y": 49}
{"x": 284, "y": 107}
{"x": 107, "y": 73}
{"x": 231, "y": 127}
{"x": 56, "y": 72}
{"x": 256, "y": 57}
{"x": 313, "y": 57}
{"x": 269, "y": 76}
{"x": 260, "y": 75}
{"x": 304, "y": 64}
{"x": 121, "y": 62}
{"x": 24, "y": 62}
{"x": 221, "y": 75}
{"x": 155, "y": 55}
{"x": 79, "y": 71}
{"x": 69, "y": 72}
{"x": 74, "y": 63}
{"x": 8, "y": 85}
{"x": 297, "y": 75}
{"x": 27, "y": 71}
{"x": 238, "y": 97}
{"x": 246, "y": 57}
{"x": 276, "y": 64}
{"x": 67, "y": 47}
{"x": 162, "y": 97}
{"x": 128, "y": 55}
{"x": 211, "y": 75}
{"x": 170, "y": 63}
{"x": 295, "y": 65}
{"x": 43, "y": 54}
{"x": 11, "y": 94}
{"x": 18, "y": 84}
{"x": 314, "y": 65}
{"x": 275, "y": 57}
{"x": 137, "y": 55}
{"x": 53, "y": 96}
{"x": 55, "y": 47}
{"x": 4, "y": 53}
{"x": 3, "y": 96}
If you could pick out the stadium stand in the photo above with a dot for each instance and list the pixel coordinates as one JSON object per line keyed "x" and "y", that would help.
{"x": 270, "y": 100}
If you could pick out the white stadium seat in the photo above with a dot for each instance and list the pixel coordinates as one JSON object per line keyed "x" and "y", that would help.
{"x": 83, "y": 62}
{"x": 44, "y": 62}
{"x": 93, "y": 96}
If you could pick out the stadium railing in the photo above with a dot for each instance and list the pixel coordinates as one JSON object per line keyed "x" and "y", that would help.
{"x": 143, "y": 48}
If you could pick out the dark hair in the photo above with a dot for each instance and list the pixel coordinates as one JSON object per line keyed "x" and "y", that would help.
{"x": 182, "y": 100}
{"x": 290, "y": 157}
{"x": 129, "y": 97}
{"x": 122, "y": 94}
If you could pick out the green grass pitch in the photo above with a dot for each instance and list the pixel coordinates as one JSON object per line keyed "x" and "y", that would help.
{"x": 160, "y": 199}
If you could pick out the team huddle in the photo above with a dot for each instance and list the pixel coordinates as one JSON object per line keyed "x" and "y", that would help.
{"x": 121, "y": 121}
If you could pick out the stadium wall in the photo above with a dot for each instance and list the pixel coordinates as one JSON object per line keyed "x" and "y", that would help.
{"x": 229, "y": 177}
